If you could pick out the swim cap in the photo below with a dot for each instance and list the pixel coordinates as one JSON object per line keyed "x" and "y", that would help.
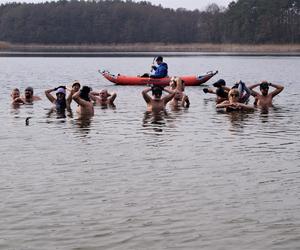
{"x": 61, "y": 90}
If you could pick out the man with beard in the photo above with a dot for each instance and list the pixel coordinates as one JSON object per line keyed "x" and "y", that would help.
{"x": 28, "y": 97}
{"x": 265, "y": 98}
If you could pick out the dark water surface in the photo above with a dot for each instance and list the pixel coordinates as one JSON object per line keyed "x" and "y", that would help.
{"x": 194, "y": 179}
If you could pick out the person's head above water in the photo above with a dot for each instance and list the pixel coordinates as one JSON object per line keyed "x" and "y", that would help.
{"x": 84, "y": 93}
{"x": 76, "y": 85}
{"x": 60, "y": 93}
{"x": 28, "y": 92}
{"x": 264, "y": 88}
{"x": 234, "y": 94}
{"x": 103, "y": 94}
{"x": 15, "y": 93}
{"x": 157, "y": 91}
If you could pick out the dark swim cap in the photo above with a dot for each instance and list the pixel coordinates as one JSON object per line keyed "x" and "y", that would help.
{"x": 219, "y": 83}
{"x": 264, "y": 85}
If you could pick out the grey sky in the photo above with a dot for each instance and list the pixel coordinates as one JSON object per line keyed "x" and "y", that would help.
{"x": 187, "y": 4}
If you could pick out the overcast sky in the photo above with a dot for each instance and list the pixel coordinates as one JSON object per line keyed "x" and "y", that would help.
{"x": 187, "y": 4}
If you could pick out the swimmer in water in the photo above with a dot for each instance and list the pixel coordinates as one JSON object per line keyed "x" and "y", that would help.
{"x": 85, "y": 105}
{"x": 157, "y": 103}
{"x": 15, "y": 96}
{"x": 221, "y": 91}
{"x": 75, "y": 88}
{"x": 60, "y": 100}
{"x": 264, "y": 98}
{"x": 28, "y": 97}
{"x": 103, "y": 97}
{"x": 233, "y": 103}
{"x": 180, "y": 99}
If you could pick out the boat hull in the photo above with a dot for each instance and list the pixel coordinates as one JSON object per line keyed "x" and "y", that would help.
{"x": 192, "y": 80}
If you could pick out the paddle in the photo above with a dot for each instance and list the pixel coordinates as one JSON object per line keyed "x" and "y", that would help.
{"x": 153, "y": 65}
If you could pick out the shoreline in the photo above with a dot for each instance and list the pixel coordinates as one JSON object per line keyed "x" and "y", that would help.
{"x": 151, "y": 47}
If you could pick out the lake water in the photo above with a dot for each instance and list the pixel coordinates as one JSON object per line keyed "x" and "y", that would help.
{"x": 195, "y": 179}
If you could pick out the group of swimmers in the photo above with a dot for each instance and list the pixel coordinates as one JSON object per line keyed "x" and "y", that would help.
{"x": 83, "y": 96}
{"x": 234, "y": 98}
{"x": 237, "y": 97}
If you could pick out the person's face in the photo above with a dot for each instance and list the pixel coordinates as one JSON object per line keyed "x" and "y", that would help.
{"x": 234, "y": 97}
{"x": 173, "y": 84}
{"x": 103, "y": 94}
{"x": 76, "y": 87}
{"x": 158, "y": 62}
{"x": 28, "y": 93}
{"x": 15, "y": 94}
{"x": 264, "y": 91}
{"x": 60, "y": 96}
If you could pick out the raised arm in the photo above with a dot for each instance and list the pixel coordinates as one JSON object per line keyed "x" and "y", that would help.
{"x": 209, "y": 90}
{"x": 80, "y": 101}
{"x": 278, "y": 89}
{"x": 50, "y": 97}
{"x": 168, "y": 97}
{"x": 254, "y": 93}
{"x": 112, "y": 97}
{"x": 146, "y": 97}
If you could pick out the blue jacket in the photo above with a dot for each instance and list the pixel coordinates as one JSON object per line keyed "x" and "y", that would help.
{"x": 160, "y": 71}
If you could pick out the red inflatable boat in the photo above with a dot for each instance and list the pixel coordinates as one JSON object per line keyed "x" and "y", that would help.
{"x": 193, "y": 80}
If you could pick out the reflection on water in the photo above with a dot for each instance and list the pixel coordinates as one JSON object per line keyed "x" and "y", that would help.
{"x": 155, "y": 121}
{"x": 55, "y": 113}
{"x": 83, "y": 126}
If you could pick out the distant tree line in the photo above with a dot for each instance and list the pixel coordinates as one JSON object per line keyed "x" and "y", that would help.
{"x": 115, "y": 21}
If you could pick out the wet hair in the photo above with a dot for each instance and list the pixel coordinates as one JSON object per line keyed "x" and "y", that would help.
{"x": 157, "y": 90}
{"x": 219, "y": 83}
{"x": 264, "y": 85}
{"x": 84, "y": 93}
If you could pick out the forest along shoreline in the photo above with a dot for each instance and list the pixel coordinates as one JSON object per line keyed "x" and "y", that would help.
{"x": 153, "y": 47}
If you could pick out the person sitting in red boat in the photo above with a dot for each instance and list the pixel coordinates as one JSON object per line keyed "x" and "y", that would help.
{"x": 159, "y": 71}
